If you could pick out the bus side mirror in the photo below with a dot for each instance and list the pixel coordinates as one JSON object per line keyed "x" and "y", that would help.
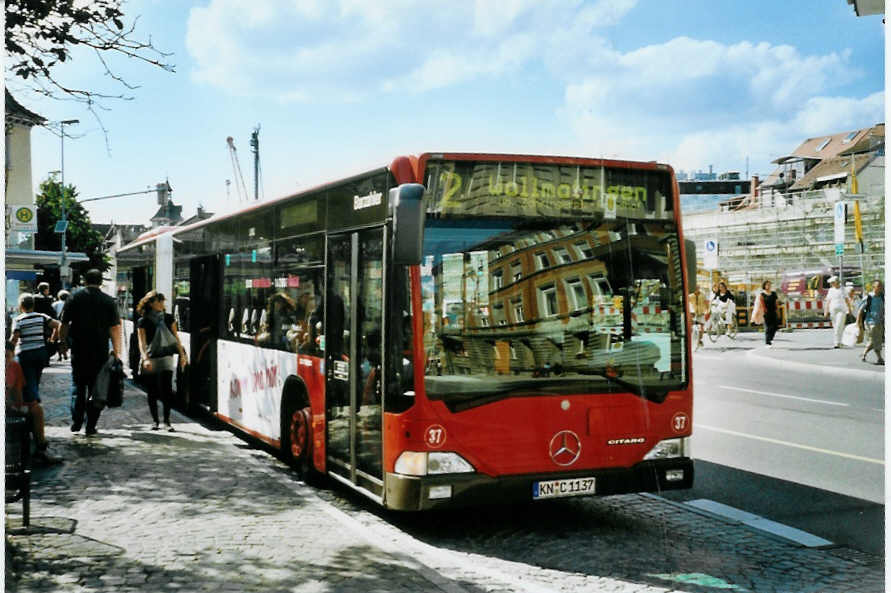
{"x": 690, "y": 251}
{"x": 407, "y": 207}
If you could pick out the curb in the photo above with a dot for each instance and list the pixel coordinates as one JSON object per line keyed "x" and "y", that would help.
{"x": 820, "y": 369}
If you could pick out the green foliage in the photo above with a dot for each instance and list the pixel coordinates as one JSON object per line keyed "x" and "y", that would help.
{"x": 81, "y": 235}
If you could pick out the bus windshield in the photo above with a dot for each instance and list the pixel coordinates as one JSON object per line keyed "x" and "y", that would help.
{"x": 544, "y": 296}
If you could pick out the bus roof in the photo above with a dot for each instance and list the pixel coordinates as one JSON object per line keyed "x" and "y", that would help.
{"x": 406, "y": 169}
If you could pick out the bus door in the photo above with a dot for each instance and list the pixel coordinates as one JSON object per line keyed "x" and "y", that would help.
{"x": 353, "y": 356}
{"x": 205, "y": 316}
{"x": 142, "y": 283}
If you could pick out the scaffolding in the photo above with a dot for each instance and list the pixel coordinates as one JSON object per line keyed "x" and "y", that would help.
{"x": 785, "y": 233}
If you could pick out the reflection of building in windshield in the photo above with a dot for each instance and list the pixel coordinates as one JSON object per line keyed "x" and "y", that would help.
{"x": 550, "y": 301}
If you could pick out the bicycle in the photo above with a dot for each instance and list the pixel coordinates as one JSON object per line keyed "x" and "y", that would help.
{"x": 717, "y": 325}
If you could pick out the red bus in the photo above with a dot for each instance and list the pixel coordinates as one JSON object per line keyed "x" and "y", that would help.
{"x": 448, "y": 330}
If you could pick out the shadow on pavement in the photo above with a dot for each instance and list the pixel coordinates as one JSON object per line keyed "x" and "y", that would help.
{"x": 630, "y": 538}
{"x": 98, "y": 566}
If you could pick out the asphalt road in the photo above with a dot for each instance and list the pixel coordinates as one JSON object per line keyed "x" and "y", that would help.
{"x": 796, "y": 444}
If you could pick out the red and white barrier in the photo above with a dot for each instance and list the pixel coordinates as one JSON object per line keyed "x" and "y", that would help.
{"x": 805, "y": 305}
{"x": 809, "y": 325}
{"x": 804, "y": 313}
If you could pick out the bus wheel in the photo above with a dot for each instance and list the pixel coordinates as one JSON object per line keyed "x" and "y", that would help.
{"x": 297, "y": 438}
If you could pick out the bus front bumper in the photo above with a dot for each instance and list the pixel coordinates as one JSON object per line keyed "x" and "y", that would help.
{"x": 412, "y": 493}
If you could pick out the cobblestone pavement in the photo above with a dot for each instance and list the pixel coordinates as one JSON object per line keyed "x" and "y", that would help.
{"x": 200, "y": 510}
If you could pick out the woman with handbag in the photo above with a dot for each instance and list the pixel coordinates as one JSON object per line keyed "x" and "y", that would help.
{"x": 158, "y": 342}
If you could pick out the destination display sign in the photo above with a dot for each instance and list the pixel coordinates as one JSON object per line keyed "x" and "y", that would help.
{"x": 540, "y": 189}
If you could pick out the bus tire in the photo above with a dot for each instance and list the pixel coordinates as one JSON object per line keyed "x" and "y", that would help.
{"x": 296, "y": 439}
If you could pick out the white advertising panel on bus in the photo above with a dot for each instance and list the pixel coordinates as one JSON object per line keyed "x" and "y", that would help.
{"x": 249, "y": 385}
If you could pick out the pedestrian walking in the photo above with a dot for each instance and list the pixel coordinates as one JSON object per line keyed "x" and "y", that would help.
{"x": 770, "y": 311}
{"x": 837, "y": 306}
{"x": 874, "y": 318}
{"x": 90, "y": 318}
{"x": 699, "y": 310}
{"x": 29, "y": 336}
{"x": 43, "y": 302}
{"x": 58, "y": 305}
{"x": 158, "y": 341}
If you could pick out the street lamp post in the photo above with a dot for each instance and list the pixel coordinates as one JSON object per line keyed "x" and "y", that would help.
{"x": 63, "y": 268}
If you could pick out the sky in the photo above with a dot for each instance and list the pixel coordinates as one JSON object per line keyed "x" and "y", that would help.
{"x": 342, "y": 86}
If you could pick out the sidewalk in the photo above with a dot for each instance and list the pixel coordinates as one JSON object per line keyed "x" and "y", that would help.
{"x": 133, "y": 509}
{"x": 803, "y": 349}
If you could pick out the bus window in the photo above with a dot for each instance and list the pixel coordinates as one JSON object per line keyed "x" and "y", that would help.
{"x": 181, "y": 296}
{"x": 615, "y": 311}
{"x": 247, "y": 284}
{"x": 293, "y": 311}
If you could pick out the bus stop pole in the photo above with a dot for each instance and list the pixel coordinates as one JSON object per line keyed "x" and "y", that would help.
{"x": 841, "y": 274}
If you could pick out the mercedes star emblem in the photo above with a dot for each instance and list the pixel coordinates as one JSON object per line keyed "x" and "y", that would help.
{"x": 565, "y": 448}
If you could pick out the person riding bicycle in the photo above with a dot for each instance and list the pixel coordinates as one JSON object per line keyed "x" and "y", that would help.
{"x": 723, "y": 303}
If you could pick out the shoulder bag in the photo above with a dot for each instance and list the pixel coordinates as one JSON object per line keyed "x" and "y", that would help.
{"x": 164, "y": 343}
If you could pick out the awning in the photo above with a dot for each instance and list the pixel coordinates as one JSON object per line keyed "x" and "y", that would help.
{"x": 26, "y": 275}
{"x": 831, "y": 177}
{"x": 26, "y": 259}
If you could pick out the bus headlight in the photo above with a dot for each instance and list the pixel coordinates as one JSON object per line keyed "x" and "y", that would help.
{"x": 415, "y": 463}
{"x": 440, "y": 462}
{"x": 669, "y": 448}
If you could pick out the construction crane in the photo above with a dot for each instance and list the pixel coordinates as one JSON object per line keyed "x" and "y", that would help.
{"x": 240, "y": 187}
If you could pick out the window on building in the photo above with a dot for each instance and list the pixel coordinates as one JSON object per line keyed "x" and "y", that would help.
{"x": 562, "y": 255}
{"x": 576, "y": 291}
{"x": 823, "y": 144}
{"x": 517, "y": 307}
{"x": 497, "y": 279}
{"x": 850, "y": 136}
{"x": 498, "y": 314}
{"x": 516, "y": 270}
{"x": 584, "y": 249}
{"x": 547, "y": 298}
{"x": 541, "y": 261}
{"x": 601, "y": 289}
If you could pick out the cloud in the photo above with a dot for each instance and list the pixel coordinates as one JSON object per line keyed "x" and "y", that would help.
{"x": 822, "y": 115}
{"x": 327, "y": 50}
{"x": 681, "y": 100}
{"x": 693, "y": 102}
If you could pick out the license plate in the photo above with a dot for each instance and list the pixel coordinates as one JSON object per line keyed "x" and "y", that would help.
{"x": 562, "y": 488}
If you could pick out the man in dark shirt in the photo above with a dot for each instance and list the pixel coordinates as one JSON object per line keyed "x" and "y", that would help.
{"x": 91, "y": 318}
{"x": 43, "y": 302}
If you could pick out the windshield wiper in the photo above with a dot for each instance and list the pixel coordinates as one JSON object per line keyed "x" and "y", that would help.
{"x": 654, "y": 394}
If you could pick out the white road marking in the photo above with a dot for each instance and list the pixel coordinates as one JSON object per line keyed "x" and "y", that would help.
{"x": 779, "y": 529}
{"x": 786, "y": 396}
{"x": 788, "y": 444}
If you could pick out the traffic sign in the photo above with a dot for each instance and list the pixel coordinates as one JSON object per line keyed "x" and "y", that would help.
{"x": 839, "y": 249}
{"x": 710, "y": 257}
{"x": 24, "y": 219}
{"x": 840, "y": 216}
